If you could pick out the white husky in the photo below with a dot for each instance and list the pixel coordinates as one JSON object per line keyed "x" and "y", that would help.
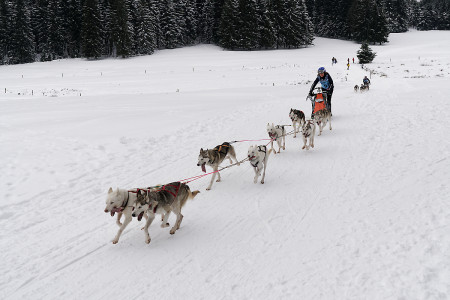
{"x": 277, "y": 133}
{"x": 258, "y": 156}
{"x": 308, "y": 131}
{"x": 122, "y": 202}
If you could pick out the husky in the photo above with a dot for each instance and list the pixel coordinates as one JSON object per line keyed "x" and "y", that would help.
{"x": 298, "y": 118}
{"x": 356, "y": 88}
{"x": 214, "y": 158}
{"x": 364, "y": 87}
{"x": 277, "y": 133}
{"x": 308, "y": 131}
{"x": 258, "y": 156}
{"x": 321, "y": 118}
{"x": 122, "y": 202}
{"x": 168, "y": 198}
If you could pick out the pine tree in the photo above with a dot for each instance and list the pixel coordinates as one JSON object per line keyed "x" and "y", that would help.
{"x": 367, "y": 22}
{"x": 5, "y": 30}
{"x": 91, "y": 30}
{"x": 169, "y": 27}
{"x": 248, "y": 31}
{"x": 365, "y": 54}
{"x": 206, "y": 28}
{"x": 186, "y": 10}
{"x": 228, "y": 26}
{"x": 266, "y": 31}
{"x": 120, "y": 29}
{"x": 55, "y": 39}
{"x": 22, "y": 39}
{"x": 145, "y": 35}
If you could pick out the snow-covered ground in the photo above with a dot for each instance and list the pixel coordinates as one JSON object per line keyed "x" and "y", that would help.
{"x": 363, "y": 215}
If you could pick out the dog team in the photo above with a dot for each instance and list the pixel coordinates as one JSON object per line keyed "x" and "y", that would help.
{"x": 165, "y": 199}
{"x": 168, "y": 198}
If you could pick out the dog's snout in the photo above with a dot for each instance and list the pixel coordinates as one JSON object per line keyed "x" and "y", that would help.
{"x": 106, "y": 210}
{"x": 133, "y": 214}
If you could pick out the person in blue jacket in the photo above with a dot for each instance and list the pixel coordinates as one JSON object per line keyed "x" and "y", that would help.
{"x": 327, "y": 85}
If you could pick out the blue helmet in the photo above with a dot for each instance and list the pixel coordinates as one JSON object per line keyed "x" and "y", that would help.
{"x": 321, "y": 70}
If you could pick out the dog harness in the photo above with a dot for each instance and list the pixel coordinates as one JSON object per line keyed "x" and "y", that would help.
{"x": 221, "y": 149}
{"x": 260, "y": 149}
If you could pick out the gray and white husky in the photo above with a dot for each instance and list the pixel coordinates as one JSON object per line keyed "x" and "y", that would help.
{"x": 308, "y": 132}
{"x": 122, "y": 202}
{"x": 321, "y": 118}
{"x": 164, "y": 200}
{"x": 214, "y": 157}
{"x": 277, "y": 133}
{"x": 298, "y": 118}
{"x": 258, "y": 156}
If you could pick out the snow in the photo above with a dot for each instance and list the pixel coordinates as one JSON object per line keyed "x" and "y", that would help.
{"x": 363, "y": 215}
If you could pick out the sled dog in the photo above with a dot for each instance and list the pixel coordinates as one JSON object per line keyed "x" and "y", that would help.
{"x": 364, "y": 87}
{"x": 321, "y": 118}
{"x": 356, "y": 88}
{"x": 298, "y": 118}
{"x": 214, "y": 158}
{"x": 164, "y": 200}
{"x": 258, "y": 156}
{"x": 121, "y": 201}
{"x": 308, "y": 132}
{"x": 277, "y": 133}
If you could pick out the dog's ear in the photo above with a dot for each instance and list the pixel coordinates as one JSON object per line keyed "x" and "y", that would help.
{"x": 201, "y": 150}
{"x": 110, "y": 190}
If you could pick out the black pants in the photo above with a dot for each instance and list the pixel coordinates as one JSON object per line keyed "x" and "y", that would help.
{"x": 329, "y": 101}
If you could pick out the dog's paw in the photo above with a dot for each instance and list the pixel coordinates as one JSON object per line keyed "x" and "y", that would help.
{"x": 165, "y": 225}
{"x": 262, "y": 181}
{"x": 115, "y": 241}
{"x": 208, "y": 189}
{"x": 303, "y": 147}
{"x": 172, "y": 231}
{"x": 147, "y": 241}
{"x": 218, "y": 180}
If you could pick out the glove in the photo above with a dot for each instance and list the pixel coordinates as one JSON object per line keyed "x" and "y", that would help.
{"x": 311, "y": 93}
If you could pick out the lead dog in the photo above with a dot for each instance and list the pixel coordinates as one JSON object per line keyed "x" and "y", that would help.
{"x": 168, "y": 198}
{"x": 322, "y": 117}
{"x": 278, "y": 134}
{"x": 356, "y": 88}
{"x": 214, "y": 158}
{"x": 258, "y": 156}
{"x": 298, "y": 118}
{"x": 122, "y": 202}
{"x": 308, "y": 132}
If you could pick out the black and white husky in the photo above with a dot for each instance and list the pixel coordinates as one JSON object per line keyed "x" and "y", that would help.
{"x": 214, "y": 158}
{"x": 298, "y": 118}
{"x": 258, "y": 156}
{"x": 278, "y": 134}
{"x": 308, "y": 132}
{"x": 322, "y": 117}
{"x": 163, "y": 200}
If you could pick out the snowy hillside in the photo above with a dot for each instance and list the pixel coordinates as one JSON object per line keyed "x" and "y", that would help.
{"x": 363, "y": 215}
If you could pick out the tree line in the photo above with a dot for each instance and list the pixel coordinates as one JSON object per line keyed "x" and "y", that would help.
{"x": 42, "y": 30}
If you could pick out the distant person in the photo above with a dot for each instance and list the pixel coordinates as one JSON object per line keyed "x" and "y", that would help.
{"x": 348, "y": 66}
{"x": 348, "y": 60}
{"x": 327, "y": 85}
{"x": 332, "y": 61}
{"x": 353, "y": 60}
{"x": 366, "y": 81}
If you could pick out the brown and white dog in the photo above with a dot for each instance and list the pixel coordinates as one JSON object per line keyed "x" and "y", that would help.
{"x": 308, "y": 132}
{"x": 214, "y": 158}
{"x": 298, "y": 118}
{"x": 322, "y": 117}
{"x": 163, "y": 200}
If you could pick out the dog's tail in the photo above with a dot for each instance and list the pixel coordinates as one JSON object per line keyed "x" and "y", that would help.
{"x": 191, "y": 195}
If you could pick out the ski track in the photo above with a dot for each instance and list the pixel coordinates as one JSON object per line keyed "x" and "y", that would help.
{"x": 362, "y": 213}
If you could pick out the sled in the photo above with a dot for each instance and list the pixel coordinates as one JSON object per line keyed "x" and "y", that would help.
{"x": 320, "y": 103}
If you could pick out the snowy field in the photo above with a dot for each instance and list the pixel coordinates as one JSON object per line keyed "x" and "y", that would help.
{"x": 363, "y": 215}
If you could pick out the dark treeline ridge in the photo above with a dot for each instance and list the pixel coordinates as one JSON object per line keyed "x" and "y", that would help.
{"x": 42, "y": 30}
